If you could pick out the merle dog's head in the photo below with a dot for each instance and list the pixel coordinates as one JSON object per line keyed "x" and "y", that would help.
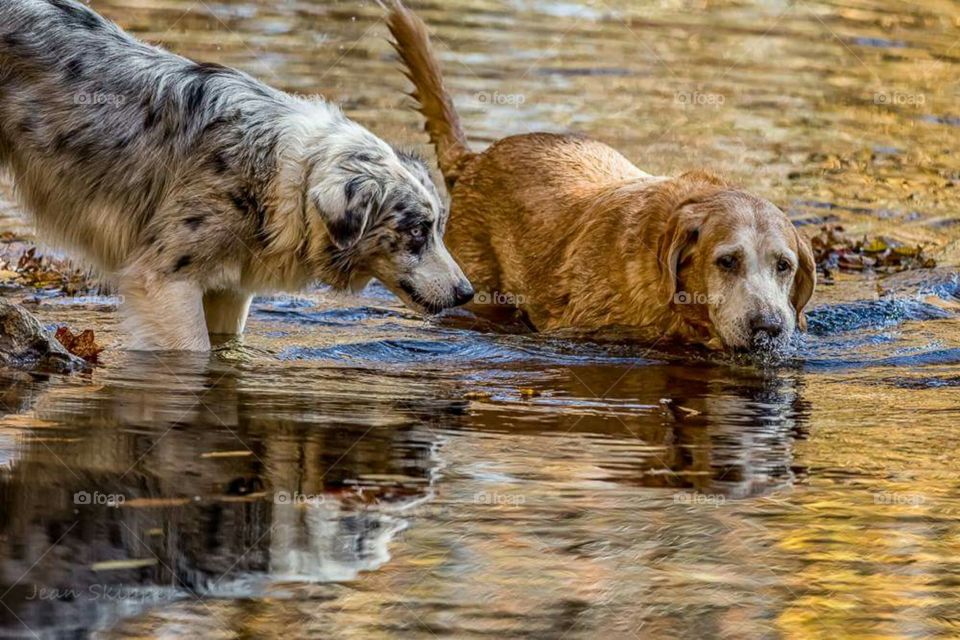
{"x": 384, "y": 216}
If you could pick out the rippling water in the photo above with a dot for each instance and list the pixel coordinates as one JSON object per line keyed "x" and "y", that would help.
{"x": 357, "y": 472}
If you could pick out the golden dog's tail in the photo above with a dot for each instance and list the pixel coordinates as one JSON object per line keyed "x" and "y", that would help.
{"x": 412, "y": 42}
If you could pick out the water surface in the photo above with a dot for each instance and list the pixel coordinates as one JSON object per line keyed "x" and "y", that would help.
{"x": 359, "y": 472}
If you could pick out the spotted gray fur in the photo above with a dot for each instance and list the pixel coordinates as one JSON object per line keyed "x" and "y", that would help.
{"x": 195, "y": 186}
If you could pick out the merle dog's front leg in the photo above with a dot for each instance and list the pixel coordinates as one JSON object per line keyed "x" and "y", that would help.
{"x": 163, "y": 313}
{"x": 226, "y": 311}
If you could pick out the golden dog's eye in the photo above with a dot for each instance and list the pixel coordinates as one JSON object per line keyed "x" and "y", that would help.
{"x": 784, "y": 265}
{"x": 728, "y": 262}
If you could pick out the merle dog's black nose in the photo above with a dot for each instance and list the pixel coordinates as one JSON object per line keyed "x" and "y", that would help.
{"x": 765, "y": 326}
{"x": 463, "y": 293}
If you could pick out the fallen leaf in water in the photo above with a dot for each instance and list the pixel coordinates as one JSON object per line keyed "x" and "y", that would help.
{"x": 83, "y": 345}
{"x": 118, "y": 565}
{"x": 876, "y": 245}
{"x": 477, "y": 395}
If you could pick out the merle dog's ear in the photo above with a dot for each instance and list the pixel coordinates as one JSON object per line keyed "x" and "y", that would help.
{"x": 346, "y": 207}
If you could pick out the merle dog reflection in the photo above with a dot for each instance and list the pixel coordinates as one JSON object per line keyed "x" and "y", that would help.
{"x": 136, "y": 513}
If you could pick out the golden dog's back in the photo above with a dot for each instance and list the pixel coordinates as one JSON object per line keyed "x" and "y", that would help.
{"x": 519, "y": 208}
{"x": 523, "y": 207}
{"x": 536, "y": 180}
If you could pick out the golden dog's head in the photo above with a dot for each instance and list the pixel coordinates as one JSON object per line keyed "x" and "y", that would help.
{"x": 735, "y": 266}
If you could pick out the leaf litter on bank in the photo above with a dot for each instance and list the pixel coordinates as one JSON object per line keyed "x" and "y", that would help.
{"x": 834, "y": 251}
{"x": 46, "y": 273}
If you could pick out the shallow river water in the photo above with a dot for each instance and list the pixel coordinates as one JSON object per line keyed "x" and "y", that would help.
{"x": 358, "y": 472}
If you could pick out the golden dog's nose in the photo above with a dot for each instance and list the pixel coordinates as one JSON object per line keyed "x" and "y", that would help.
{"x": 766, "y": 325}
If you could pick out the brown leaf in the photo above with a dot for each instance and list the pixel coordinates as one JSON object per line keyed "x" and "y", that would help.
{"x": 477, "y": 395}
{"x": 83, "y": 345}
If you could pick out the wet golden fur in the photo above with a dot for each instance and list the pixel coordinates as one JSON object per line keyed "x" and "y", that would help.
{"x": 579, "y": 237}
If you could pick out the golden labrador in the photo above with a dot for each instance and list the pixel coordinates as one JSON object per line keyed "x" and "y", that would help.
{"x": 578, "y": 237}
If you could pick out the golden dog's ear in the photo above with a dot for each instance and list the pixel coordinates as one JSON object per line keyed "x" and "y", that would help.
{"x": 805, "y": 280}
{"x": 679, "y": 237}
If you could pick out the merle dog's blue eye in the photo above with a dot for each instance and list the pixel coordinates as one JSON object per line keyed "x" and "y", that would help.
{"x": 420, "y": 232}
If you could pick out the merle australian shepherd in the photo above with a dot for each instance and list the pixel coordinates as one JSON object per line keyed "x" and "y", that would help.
{"x": 195, "y": 186}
